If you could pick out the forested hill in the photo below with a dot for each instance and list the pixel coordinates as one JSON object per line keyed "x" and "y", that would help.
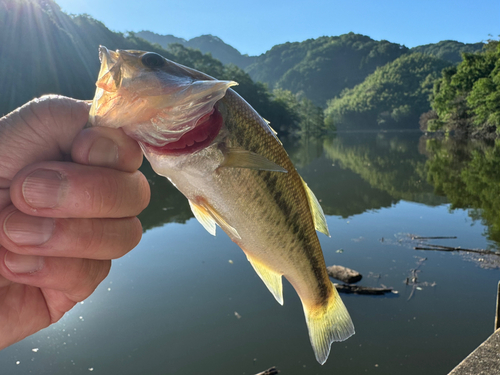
{"x": 43, "y": 50}
{"x": 321, "y": 68}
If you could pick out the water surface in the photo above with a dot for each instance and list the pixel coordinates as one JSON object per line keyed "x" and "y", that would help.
{"x": 184, "y": 302}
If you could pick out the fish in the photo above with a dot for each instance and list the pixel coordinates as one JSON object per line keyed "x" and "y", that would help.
{"x": 229, "y": 163}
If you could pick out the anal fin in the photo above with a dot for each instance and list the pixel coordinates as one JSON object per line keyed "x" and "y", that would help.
{"x": 271, "y": 278}
{"x": 328, "y": 323}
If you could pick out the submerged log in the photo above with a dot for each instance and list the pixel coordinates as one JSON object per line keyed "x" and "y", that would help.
{"x": 269, "y": 371}
{"x": 344, "y": 274}
{"x": 356, "y": 289}
{"x": 434, "y": 238}
{"x": 431, "y": 247}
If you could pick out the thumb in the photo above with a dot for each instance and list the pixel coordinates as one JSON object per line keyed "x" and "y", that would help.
{"x": 41, "y": 130}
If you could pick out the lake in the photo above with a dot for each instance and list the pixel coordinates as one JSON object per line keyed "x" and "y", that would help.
{"x": 184, "y": 302}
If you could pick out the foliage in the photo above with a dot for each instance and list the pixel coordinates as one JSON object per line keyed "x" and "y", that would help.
{"x": 391, "y": 97}
{"x": 302, "y": 114}
{"x": 449, "y": 50}
{"x": 321, "y": 68}
{"x": 467, "y": 97}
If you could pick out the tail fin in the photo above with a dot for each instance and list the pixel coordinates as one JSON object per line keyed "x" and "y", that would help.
{"x": 328, "y": 323}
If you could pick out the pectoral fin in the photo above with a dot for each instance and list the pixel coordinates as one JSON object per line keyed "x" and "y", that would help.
{"x": 203, "y": 216}
{"x": 271, "y": 278}
{"x": 240, "y": 158}
{"x": 317, "y": 212}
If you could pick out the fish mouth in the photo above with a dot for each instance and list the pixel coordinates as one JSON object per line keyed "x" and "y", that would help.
{"x": 206, "y": 130}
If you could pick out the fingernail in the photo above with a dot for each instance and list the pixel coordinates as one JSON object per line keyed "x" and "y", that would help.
{"x": 44, "y": 188}
{"x": 104, "y": 153}
{"x": 23, "y": 263}
{"x": 23, "y": 229}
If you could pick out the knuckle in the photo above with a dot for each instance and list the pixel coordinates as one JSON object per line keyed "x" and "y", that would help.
{"x": 144, "y": 192}
{"x": 106, "y": 197}
{"x": 90, "y": 237}
{"x": 88, "y": 275}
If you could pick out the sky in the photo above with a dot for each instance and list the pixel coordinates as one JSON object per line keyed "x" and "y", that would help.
{"x": 255, "y": 26}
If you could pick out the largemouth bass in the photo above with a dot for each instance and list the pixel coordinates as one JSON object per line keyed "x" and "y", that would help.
{"x": 227, "y": 161}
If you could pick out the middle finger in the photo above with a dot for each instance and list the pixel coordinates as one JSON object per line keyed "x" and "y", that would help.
{"x": 77, "y": 238}
{"x": 70, "y": 190}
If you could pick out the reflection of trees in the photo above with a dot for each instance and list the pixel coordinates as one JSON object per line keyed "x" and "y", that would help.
{"x": 468, "y": 174}
{"x": 387, "y": 161}
{"x": 349, "y": 173}
{"x": 167, "y": 204}
{"x": 302, "y": 151}
{"x": 369, "y": 170}
{"x": 341, "y": 191}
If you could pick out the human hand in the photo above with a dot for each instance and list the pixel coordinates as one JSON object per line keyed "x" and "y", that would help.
{"x": 61, "y": 221}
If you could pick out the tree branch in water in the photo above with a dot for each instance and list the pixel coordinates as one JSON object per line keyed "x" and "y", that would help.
{"x": 431, "y": 247}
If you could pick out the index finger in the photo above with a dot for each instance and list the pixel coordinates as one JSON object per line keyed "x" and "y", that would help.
{"x": 70, "y": 190}
{"x": 106, "y": 147}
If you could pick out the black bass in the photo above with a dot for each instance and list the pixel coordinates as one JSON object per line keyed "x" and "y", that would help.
{"x": 227, "y": 161}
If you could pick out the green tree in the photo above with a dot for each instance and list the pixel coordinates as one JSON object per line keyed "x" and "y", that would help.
{"x": 466, "y": 97}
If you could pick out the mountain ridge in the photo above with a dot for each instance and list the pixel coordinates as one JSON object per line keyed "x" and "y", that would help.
{"x": 214, "y": 45}
{"x": 320, "y": 68}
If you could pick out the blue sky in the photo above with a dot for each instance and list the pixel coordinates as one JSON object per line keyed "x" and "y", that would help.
{"x": 254, "y": 26}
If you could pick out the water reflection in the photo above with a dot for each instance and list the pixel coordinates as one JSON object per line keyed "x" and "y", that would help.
{"x": 468, "y": 174}
{"x": 171, "y": 306}
{"x": 167, "y": 204}
{"x": 352, "y": 173}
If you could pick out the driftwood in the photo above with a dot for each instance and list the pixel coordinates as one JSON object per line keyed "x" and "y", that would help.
{"x": 356, "y": 289}
{"x": 413, "y": 279}
{"x": 269, "y": 371}
{"x": 433, "y": 238}
{"x": 344, "y": 274}
{"x": 431, "y": 247}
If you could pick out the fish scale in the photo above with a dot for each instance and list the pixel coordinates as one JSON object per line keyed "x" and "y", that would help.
{"x": 236, "y": 175}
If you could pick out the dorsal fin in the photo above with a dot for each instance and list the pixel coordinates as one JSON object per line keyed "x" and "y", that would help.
{"x": 274, "y": 132}
{"x": 316, "y": 211}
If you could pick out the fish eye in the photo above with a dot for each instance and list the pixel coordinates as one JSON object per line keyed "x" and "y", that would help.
{"x": 152, "y": 60}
